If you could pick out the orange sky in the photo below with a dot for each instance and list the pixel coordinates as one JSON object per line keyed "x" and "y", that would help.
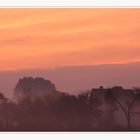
{"x": 49, "y": 38}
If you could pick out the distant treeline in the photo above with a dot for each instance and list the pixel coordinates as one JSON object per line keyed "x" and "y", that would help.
{"x": 39, "y": 106}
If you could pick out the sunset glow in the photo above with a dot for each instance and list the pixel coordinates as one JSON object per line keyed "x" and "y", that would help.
{"x": 50, "y": 38}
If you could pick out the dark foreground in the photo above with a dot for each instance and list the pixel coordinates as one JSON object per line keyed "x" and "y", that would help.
{"x": 112, "y": 109}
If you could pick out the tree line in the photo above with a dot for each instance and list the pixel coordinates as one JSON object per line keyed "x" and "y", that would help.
{"x": 40, "y": 106}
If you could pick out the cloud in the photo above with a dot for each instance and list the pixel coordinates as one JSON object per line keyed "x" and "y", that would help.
{"x": 68, "y": 36}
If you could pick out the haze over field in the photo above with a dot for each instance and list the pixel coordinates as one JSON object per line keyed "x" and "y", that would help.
{"x": 75, "y": 79}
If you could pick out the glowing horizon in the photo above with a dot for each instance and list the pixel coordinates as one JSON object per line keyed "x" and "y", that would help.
{"x": 50, "y": 38}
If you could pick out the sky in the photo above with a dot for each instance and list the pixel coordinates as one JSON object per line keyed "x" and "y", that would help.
{"x": 50, "y": 38}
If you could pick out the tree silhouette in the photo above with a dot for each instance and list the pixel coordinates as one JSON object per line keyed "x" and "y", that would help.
{"x": 92, "y": 110}
{"x": 128, "y": 103}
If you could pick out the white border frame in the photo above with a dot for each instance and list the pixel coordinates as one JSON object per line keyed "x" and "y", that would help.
{"x": 69, "y": 3}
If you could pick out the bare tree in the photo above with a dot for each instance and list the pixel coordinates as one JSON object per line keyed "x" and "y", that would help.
{"x": 129, "y": 104}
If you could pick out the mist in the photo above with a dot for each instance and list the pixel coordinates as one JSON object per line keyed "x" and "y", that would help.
{"x": 74, "y": 79}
